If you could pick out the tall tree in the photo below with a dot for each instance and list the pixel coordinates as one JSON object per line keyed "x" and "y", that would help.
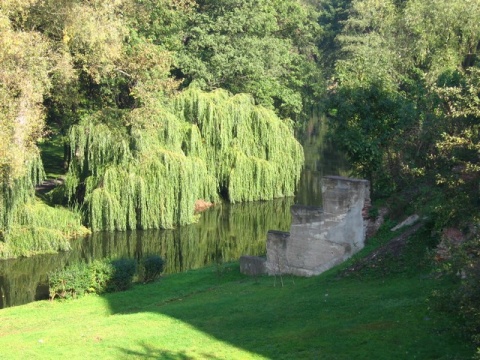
{"x": 266, "y": 48}
{"x": 24, "y": 80}
{"x": 404, "y": 50}
{"x": 27, "y": 61}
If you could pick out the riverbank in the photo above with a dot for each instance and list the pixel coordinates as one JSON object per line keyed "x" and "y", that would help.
{"x": 216, "y": 312}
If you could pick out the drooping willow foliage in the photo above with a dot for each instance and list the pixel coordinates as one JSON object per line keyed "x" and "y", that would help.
{"x": 149, "y": 171}
{"x": 15, "y": 192}
{"x": 39, "y": 228}
{"x": 135, "y": 181}
{"x": 28, "y": 226}
{"x": 252, "y": 153}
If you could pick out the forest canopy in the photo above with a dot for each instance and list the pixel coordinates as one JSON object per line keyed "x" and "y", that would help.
{"x": 405, "y": 100}
{"x": 398, "y": 79}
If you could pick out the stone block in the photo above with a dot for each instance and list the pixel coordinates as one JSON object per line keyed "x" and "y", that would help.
{"x": 340, "y": 193}
{"x": 321, "y": 238}
{"x": 302, "y": 214}
{"x": 252, "y": 265}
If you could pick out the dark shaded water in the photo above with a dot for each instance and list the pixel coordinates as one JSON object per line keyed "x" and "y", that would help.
{"x": 322, "y": 157}
{"x": 223, "y": 233}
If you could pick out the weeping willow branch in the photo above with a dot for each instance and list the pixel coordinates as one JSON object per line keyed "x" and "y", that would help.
{"x": 14, "y": 193}
{"x": 252, "y": 153}
{"x": 148, "y": 172}
{"x": 28, "y": 226}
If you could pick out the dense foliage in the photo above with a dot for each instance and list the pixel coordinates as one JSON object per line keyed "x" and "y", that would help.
{"x": 151, "y": 267}
{"x": 404, "y": 105}
{"x": 264, "y": 48}
{"x": 405, "y": 98}
{"x": 100, "y": 276}
{"x": 104, "y": 77}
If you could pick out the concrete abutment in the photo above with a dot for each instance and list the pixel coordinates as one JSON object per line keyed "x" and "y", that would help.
{"x": 320, "y": 238}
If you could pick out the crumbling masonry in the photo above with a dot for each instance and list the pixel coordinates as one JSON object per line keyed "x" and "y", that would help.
{"x": 319, "y": 238}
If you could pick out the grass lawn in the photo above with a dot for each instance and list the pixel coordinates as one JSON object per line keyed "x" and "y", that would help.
{"x": 52, "y": 157}
{"x": 207, "y": 314}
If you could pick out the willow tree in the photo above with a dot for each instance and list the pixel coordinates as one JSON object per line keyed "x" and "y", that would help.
{"x": 148, "y": 171}
{"x": 252, "y": 153}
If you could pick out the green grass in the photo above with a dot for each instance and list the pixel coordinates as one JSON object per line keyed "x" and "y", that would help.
{"x": 197, "y": 315}
{"x": 52, "y": 157}
{"x": 207, "y": 314}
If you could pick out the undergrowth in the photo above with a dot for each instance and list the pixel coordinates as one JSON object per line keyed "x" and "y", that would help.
{"x": 408, "y": 255}
{"x": 101, "y": 276}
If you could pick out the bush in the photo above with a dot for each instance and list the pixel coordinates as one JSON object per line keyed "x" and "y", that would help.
{"x": 70, "y": 282}
{"x": 102, "y": 276}
{"x": 463, "y": 267}
{"x": 122, "y": 275}
{"x": 101, "y": 272}
{"x": 151, "y": 267}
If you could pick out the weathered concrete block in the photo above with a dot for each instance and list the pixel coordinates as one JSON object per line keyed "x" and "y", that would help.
{"x": 252, "y": 265}
{"x": 302, "y": 214}
{"x": 340, "y": 193}
{"x": 276, "y": 251}
{"x": 322, "y": 238}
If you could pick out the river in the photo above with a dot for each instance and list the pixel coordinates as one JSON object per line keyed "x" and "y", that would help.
{"x": 223, "y": 233}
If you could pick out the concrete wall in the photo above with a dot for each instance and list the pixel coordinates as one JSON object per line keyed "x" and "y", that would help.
{"x": 321, "y": 238}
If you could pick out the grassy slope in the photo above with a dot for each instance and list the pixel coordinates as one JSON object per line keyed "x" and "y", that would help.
{"x": 52, "y": 157}
{"x": 208, "y": 314}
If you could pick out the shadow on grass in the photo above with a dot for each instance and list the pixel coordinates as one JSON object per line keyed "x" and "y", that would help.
{"x": 150, "y": 352}
{"x": 52, "y": 153}
{"x": 308, "y": 318}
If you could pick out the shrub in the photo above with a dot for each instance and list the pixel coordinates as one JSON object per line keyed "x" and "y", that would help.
{"x": 99, "y": 276}
{"x": 102, "y": 276}
{"x": 101, "y": 272}
{"x": 463, "y": 267}
{"x": 151, "y": 267}
{"x": 70, "y": 282}
{"x": 122, "y": 275}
